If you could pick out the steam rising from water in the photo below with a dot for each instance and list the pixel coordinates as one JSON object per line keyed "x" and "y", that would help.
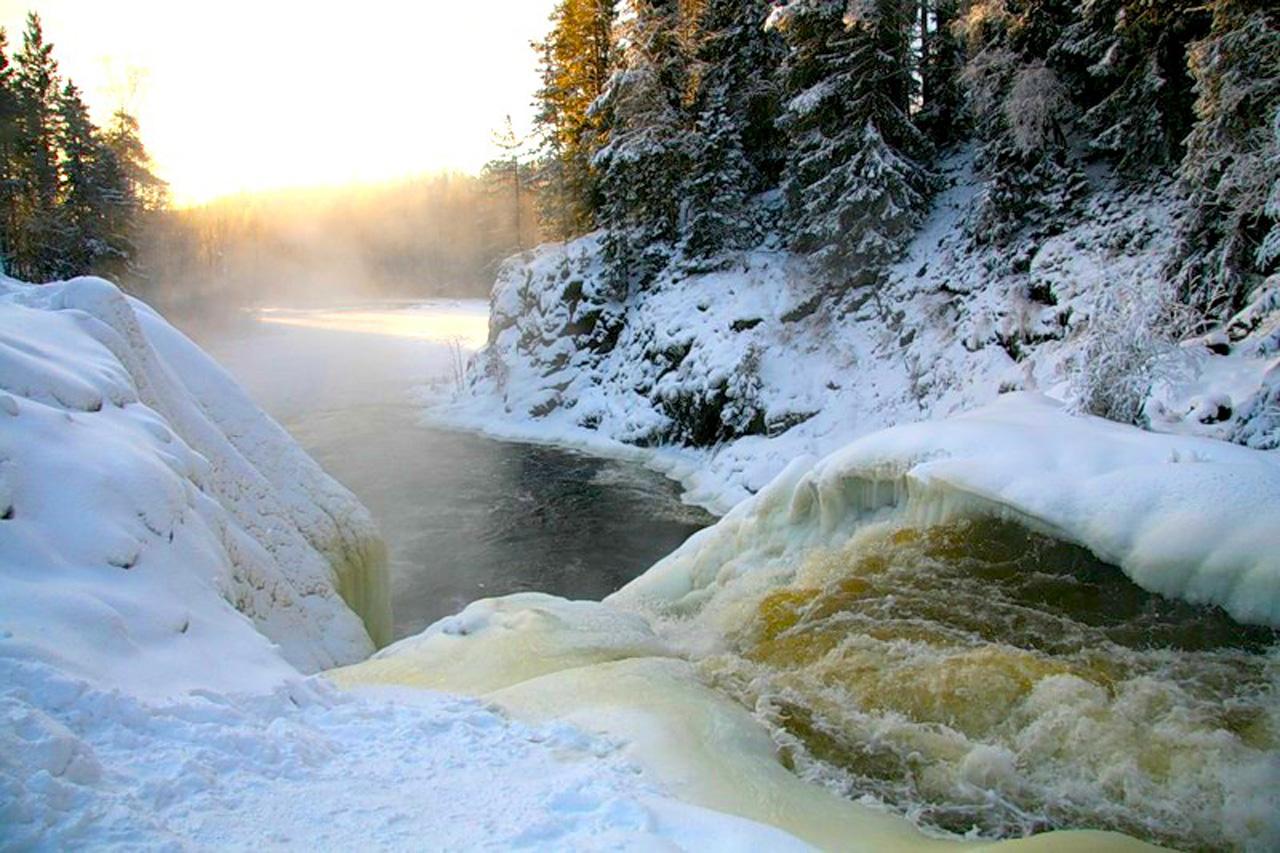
{"x": 977, "y": 675}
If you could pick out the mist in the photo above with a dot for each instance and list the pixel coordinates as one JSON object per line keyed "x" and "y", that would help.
{"x": 437, "y": 236}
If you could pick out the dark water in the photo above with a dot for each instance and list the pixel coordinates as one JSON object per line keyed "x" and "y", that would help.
{"x": 467, "y": 517}
{"x": 464, "y": 517}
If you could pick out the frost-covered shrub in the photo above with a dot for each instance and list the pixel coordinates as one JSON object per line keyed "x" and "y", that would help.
{"x": 1133, "y": 336}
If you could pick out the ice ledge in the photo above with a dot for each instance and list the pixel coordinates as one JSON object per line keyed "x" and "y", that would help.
{"x": 1191, "y": 518}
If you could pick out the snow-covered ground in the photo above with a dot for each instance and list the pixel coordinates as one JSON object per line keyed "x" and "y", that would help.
{"x": 1082, "y": 316}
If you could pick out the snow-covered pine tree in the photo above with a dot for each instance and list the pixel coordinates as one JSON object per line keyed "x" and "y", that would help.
{"x": 719, "y": 185}
{"x": 648, "y": 149}
{"x": 1232, "y": 160}
{"x": 941, "y": 114}
{"x": 738, "y": 150}
{"x": 1130, "y": 61}
{"x": 856, "y": 180}
{"x": 1021, "y": 108}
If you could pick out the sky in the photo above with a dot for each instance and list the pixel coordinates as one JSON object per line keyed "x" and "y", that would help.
{"x": 248, "y": 95}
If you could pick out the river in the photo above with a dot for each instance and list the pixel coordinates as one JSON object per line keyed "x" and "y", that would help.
{"x": 464, "y": 517}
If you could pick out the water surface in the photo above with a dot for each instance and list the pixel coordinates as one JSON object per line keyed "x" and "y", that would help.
{"x": 464, "y": 517}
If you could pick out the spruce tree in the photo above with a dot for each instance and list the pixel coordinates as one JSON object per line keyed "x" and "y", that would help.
{"x": 647, "y": 153}
{"x": 856, "y": 180}
{"x": 10, "y": 185}
{"x": 1021, "y": 108}
{"x": 85, "y": 198}
{"x": 941, "y": 114}
{"x": 41, "y": 232}
{"x": 738, "y": 149}
{"x": 1233, "y": 160}
{"x": 1129, "y": 58}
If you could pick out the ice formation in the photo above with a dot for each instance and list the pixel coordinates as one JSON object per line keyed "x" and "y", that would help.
{"x": 1184, "y": 517}
{"x": 545, "y": 659}
{"x": 160, "y": 531}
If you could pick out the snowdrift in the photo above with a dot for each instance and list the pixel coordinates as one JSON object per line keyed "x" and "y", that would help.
{"x": 1184, "y": 517}
{"x": 159, "y": 531}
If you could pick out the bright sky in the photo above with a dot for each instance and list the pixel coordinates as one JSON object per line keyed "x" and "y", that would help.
{"x": 244, "y": 95}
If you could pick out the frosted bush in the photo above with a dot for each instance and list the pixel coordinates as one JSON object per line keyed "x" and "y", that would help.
{"x": 1034, "y": 109}
{"x": 1132, "y": 343}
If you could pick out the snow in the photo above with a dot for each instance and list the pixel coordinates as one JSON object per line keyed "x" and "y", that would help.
{"x": 172, "y": 569}
{"x": 308, "y": 766}
{"x": 953, "y": 327}
{"x": 1184, "y": 517}
{"x": 163, "y": 532}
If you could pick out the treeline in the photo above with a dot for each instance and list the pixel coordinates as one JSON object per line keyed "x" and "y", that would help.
{"x": 687, "y": 128}
{"x": 442, "y": 234}
{"x": 72, "y": 195}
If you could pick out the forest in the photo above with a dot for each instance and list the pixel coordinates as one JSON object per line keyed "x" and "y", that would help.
{"x": 687, "y": 128}
{"x": 80, "y": 199}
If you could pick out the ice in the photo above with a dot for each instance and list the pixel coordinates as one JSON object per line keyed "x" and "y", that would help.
{"x": 548, "y": 662}
{"x": 1184, "y": 517}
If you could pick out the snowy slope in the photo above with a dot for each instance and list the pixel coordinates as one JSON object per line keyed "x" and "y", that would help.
{"x": 158, "y": 524}
{"x": 746, "y": 362}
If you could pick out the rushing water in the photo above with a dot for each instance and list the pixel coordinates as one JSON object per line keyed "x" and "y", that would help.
{"x": 464, "y": 517}
{"x": 981, "y": 677}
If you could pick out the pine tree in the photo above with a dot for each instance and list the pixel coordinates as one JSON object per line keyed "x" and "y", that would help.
{"x": 738, "y": 149}
{"x": 1232, "y": 161}
{"x": 577, "y": 60}
{"x": 10, "y": 185}
{"x": 1021, "y": 107}
{"x": 647, "y": 153}
{"x": 41, "y": 232}
{"x": 718, "y": 190}
{"x": 1130, "y": 58}
{"x": 941, "y": 114}
{"x": 856, "y": 180}
{"x": 84, "y": 198}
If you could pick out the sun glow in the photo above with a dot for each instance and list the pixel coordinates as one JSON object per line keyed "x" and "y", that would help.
{"x": 469, "y": 329}
{"x": 241, "y": 96}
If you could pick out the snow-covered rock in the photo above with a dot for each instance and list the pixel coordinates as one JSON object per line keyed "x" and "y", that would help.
{"x": 159, "y": 531}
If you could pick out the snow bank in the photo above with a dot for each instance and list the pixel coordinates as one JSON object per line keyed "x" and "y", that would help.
{"x": 1184, "y": 517}
{"x": 159, "y": 532}
{"x": 306, "y": 766}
